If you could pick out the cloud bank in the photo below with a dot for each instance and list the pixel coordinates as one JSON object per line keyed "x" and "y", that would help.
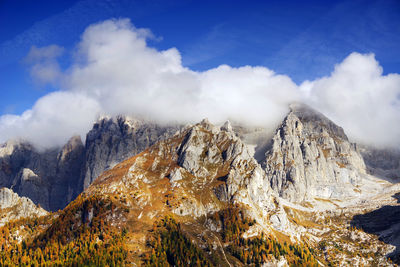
{"x": 362, "y": 100}
{"x": 114, "y": 71}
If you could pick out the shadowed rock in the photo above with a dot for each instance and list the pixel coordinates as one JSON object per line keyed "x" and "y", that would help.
{"x": 383, "y": 222}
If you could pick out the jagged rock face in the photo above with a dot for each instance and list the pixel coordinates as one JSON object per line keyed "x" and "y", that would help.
{"x": 217, "y": 153}
{"x": 114, "y": 140}
{"x": 65, "y": 185}
{"x": 13, "y": 154}
{"x": 195, "y": 172}
{"x": 31, "y": 185}
{"x": 26, "y": 171}
{"x": 49, "y": 178}
{"x": 311, "y": 157}
{"x": 13, "y": 207}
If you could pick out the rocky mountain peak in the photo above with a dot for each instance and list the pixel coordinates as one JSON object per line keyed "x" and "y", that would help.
{"x": 205, "y": 143}
{"x": 73, "y": 144}
{"x": 310, "y": 156}
{"x": 207, "y": 179}
{"x": 315, "y": 120}
{"x": 205, "y": 168}
{"x": 227, "y": 126}
{"x": 117, "y": 125}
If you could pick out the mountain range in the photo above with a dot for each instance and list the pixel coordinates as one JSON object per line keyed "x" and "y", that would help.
{"x": 141, "y": 193}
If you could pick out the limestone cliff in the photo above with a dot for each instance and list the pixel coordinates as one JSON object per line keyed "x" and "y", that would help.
{"x": 310, "y": 157}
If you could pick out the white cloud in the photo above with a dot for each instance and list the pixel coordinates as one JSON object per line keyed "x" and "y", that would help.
{"x": 360, "y": 99}
{"x": 114, "y": 71}
{"x": 52, "y": 120}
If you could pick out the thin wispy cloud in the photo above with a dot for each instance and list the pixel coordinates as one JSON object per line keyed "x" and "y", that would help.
{"x": 44, "y": 67}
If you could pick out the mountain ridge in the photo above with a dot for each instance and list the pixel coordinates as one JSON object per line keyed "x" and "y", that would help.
{"x": 201, "y": 173}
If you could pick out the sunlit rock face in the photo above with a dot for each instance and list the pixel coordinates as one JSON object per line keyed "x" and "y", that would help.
{"x": 216, "y": 154}
{"x": 195, "y": 172}
{"x": 13, "y": 207}
{"x": 310, "y": 156}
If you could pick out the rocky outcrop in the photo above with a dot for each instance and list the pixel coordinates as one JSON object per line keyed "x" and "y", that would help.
{"x": 13, "y": 207}
{"x": 198, "y": 171}
{"x": 310, "y": 157}
{"x": 217, "y": 153}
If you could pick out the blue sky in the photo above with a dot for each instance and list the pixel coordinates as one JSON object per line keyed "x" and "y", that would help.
{"x": 302, "y": 39}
